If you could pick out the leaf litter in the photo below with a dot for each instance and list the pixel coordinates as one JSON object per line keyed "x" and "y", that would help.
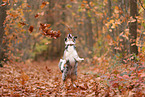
{"x": 44, "y": 79}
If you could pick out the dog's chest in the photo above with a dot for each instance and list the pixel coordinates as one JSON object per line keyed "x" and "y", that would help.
{"x": 70, "y": 54}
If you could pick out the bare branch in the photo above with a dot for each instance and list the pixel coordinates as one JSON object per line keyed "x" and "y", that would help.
{"x": 141, "y": 4}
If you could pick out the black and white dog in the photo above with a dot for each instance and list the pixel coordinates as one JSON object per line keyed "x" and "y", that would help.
{"x": 71, "y": 59}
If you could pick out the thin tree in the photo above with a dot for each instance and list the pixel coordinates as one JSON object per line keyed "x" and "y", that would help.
{"x": 2, "y": 18}
{"x": 133, "y": 27}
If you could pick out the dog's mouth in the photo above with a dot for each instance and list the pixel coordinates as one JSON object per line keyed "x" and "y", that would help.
{"x": 70, "y": 44}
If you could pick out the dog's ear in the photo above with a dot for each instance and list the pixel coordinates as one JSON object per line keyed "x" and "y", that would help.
{"x": 65, "y": 39}
{"x": 75, "y": 37}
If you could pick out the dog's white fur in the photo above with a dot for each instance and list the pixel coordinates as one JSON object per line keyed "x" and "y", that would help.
{"x": 72, "y": 54}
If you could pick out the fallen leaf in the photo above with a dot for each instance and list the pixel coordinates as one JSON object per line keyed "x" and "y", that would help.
{"x": 43, "y": 4}
{"x": 4, "y": 4}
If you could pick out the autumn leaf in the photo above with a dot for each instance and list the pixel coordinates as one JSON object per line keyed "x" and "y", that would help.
{"x": 3, "y": 4}
{"x": 82, "y": 5}
{"x": 36, "y": 15}
{"x": 47, "y": 25}
{"x": 132, "y": 44}
{"x": 85, "y": 1}
{"x": 28, "y": 5}
{"x": 46, "y": 31}
{"x": 43, "y": 4}
{"x": 31, "y": 29}
{"x": 22, "y": 23}
{"x": 132, "y": 19}
{"x": 5, "y": 0}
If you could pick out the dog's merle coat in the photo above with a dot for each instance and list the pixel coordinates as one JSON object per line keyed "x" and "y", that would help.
{"x": 71, "y": 59}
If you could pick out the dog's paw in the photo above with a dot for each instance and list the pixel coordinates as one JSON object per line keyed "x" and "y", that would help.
{"x": 74, "y": 86}
{"x": 80, "y": 59}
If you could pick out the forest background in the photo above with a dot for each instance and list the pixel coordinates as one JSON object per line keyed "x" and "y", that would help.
{"x": 110, "y": 36}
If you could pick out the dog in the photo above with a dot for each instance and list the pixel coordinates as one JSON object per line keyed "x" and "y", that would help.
{"x": 70, "y": 60}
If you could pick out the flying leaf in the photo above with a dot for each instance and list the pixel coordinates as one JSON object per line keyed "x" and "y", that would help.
{"x": 46, "y": 31}
{"x": 36, "y": 15}
{"x": 43, "y": 4}
{"x": 22, "y": 23}
{"x": 132, "y": 44}
{"x": 31, "y": 29}
{"x": 132, "y": 19}
{"x": 47, "y": 25}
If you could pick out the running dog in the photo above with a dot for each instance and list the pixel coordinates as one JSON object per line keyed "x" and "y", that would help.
{"x": 71, "y": 59}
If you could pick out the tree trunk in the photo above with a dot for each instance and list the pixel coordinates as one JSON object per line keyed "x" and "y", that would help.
{"x": 88, "y": 31}
{"x": 133, "y": 27}
{"x": 2, "y": 18}
{"x": 112, "y": 29}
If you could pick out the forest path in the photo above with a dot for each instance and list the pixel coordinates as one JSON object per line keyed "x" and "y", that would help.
{"x": 43, "y": 79}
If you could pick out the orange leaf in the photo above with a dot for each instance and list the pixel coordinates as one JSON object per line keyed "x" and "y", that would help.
{"x": 43, "y": 4}
{"x": 82, "y": 5}
{"x": 28, "y": 5}
{"x": 85, "y": 1}
{"x": 48, "y": 25}
{"x": 5, "y": 0}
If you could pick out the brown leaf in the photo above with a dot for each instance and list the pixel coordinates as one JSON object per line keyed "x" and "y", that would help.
{"x": 36, "y": 15}
{"x": 22, "y": 23}
{"x": 43, "y": 4}
{"x": 31, "y": 29}
{"x": 46, "y": 31}
{"x": 49, "y": 70}
{"x": 15, "y": 95}
{"x": 115, "y": 85}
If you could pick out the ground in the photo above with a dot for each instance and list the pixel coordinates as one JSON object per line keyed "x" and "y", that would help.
{"x": 43, "y": 78}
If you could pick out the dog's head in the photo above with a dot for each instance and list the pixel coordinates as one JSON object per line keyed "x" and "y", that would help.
{"x": 70, "y": 40}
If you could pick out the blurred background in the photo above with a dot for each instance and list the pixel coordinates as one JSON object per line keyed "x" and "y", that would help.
{"x": 112, "y": 28}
